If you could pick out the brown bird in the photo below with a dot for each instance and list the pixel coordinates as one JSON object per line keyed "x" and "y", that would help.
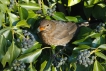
{"x": 56, "y": 33}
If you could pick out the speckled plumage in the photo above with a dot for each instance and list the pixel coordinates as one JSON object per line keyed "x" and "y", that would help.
{"x": 57, "y": 32}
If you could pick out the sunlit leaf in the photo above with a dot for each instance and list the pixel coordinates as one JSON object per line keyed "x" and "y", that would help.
{"x": 23, "y": 13}
{"x": 70, "y": 18}
{"x": 31, "y": 67}
{"x": 11, "y": 54}
{"x": 98, "y": 41}
{"x": 103, "y": 46}
{"x": 30, "y": 6}
{"x": 59, "y": 16}
{"x": 13, "y": 18}
{"x": 5, "y": 29}
{"x": 22, "y": 23}
{"x": 73, "y": 2}
{"x": 98, "y": 66}
{"x": 43, "y": 65}
{"x": 99, "y": 54}
{"x": 34, "y": 47}
{"x": 30, "y": 57}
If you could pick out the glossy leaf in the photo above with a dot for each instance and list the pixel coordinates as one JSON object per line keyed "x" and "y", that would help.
{"x": 4, "y": 2}
{"x": 59, "y": 16}
{"x": 23, "y": 13}
{"x": 99, "y": 54}
{"x": 1, "y": 18}
{"x": 8, "y": 34}
{"x": 3, "y": 7}
{"x": 73, "y": 2}
{"x": 54, "y": 68}
{"x": 48, "y": 65}
{"x": 11, "y": 54}
{"x": 3, "y": 44}
{"x": 103, "y": 46}
{"x": 30, "y": 57}
{"x": 4, "y": 29}
{"x": 90, "y": 3}
{"x": 70, "y": 18}
{"x": 98, "y": 41}
{"x": 22, "y": 23}
{"x": 98, "y": 66}
{"x": 34, "y": 47}
{"x": 13, "y": 18}
{"x": 31, "y": 68}
{"x": 30, "y": 6}
{"x": 43, "y": 65}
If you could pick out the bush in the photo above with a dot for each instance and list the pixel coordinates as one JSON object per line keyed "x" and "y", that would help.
{"x": 22, "y": 50}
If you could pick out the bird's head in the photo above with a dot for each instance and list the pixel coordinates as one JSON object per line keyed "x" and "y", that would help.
{"x": 45, "y": 26}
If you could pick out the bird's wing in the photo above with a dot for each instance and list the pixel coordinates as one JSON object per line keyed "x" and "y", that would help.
{"x": 63, "y": 31}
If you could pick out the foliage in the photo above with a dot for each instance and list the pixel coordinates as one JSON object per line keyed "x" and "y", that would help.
{"x": 19, "y": 15}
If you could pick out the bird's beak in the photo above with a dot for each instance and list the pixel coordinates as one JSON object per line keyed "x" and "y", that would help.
{"x": 40, "y": 29}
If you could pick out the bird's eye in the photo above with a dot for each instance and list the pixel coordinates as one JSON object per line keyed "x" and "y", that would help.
{"x": 47, "y": 24}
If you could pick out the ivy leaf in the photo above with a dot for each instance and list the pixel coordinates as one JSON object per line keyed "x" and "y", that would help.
{"x": 13, "y": 18}
{"x": 30, "y": 57}
{"x": 59, "y": 16}
{"x": 73, "y": 2}
{"x": 23, "y": 13}
{"x": 4, "y": 29}
{"x": 2, "y": 46}
{"x": 22, "y": 23}
{"x": 70, "y": 18}
{"x": 34, "y": 47}
{"x": 11, "y": 54}
{"x": 31, "y": 68}
{"x": 30, "y": 6}
{"x": 98, "y": 66}
{"x": 98, "y": 41}
{"x": 103, "y": 46}
{"x": 43, "y": 65}
{"x": 99, "y": 54}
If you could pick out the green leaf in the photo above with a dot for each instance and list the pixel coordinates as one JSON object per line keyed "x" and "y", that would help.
{"x": 44, "y": 8}
{"x": 13, "y": 18}
{"x": 34, "y": 47}
{"x": 48, "y": 65}
{"x": 98, "y": 66}
{"x": 70, "y": 18}
{"x": 30, "y": 6}
{"x": 99, "y": 54}
{"x": 54, "y": 68}
{"x": 31, "y": 67}
{"x": 1, "y": 18}
{"x": 59, "y": 16}
{"x": 3, "y": 7}
{"x": 98, "y": 41}
{"x": 73, "y": 2}
{"x": 5, "y": 2}
{"x": 88, "y": 12}
{"x": 8, "y": 34}
{"x": 99, "y": 12}
{"x": 22, "y": 23}
{"x": 81, "y": 47}
{"x": 30, "y": 57}
{"x": 3, "y": 44}
{"x": 4, "y": 29}
{"x": 103, "y": 46}
{"x": 43, "y": 65}
{"x": 11, "y": 54}
{"x": 23, "y": 13}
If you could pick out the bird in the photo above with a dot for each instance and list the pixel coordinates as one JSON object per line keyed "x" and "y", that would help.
{"x": 57, "y": 33}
